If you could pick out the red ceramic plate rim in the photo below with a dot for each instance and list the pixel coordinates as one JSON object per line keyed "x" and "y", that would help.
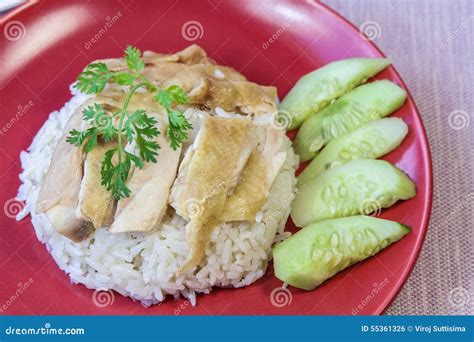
{"x": 425, "y": 151}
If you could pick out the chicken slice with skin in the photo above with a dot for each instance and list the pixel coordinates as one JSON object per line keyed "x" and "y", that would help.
{"x": 232, "y": 92}
{"x": 96, "y": 203}
{"x": 206, "y": 176}
{"x": 206, "y": 83}
{"x": 150, "y": 187}
{"x": 59, "y": 194}
{"x": 158, "y": 67}
{"x": 256, "y": 180}
{"x": 193, "y": 54}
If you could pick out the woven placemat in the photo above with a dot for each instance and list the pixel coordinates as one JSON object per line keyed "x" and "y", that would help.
{"x": 431, "y": 44}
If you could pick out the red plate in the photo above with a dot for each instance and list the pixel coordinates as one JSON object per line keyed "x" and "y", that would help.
{"x": 44, "y": 46}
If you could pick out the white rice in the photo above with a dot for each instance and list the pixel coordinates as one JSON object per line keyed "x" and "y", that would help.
{"x": 143, "y": 266}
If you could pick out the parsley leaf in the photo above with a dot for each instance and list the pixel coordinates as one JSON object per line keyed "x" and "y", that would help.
{"x": 132, "y": 57}
{"x": 91, "y": 112}
{"x": 164, "y": 98}
{"x": 114, "y": 176}
{"x": 177, "y": 131}
{"x": 77, "y": 138}
{"x": 124, "y": 78}
{"x": 178, "y": 128}
{"x": 137, "y": 126}
{"x": 145, "y": 132}
{"x": 91, "y": 139}
{"x": 93, "y": 79}
{"x": 101, "y": 125}
{"x": 177, "y": 93}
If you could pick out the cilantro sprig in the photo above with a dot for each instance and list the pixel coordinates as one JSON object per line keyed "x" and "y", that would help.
{"x": 134, "y": 126}
{"x": 178, "y": 124}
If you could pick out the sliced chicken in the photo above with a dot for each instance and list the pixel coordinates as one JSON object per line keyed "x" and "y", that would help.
{"x": 256, "y": 180}
{"x": 59, "y": 193}
{"x": 150, "y": 188}
{"x": 222, "y": 176}
{"x": 218, "y": 86}
{"x": 206, "y": 83}
{"x": 158, "y": 67}
{"x": 96, "y": 203}
{"x": 64, "y": 220}
{"x": 208, "y": 173}
{"x": 193, "y": 54}
{"x": 271, "y": 155}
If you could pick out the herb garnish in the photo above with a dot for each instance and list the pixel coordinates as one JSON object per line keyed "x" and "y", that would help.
{"x": 136, "y": 126}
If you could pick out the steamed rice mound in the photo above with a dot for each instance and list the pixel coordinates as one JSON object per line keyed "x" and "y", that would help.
{"x": 143, "y": 266}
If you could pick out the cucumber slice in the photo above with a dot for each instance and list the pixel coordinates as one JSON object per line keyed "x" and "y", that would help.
{"x": 370, "y": 141}
{"x": 365, "y": 103}
{"x": 358, "y": 187}
{"x": 315, "y": 90}
{"x": 320, "y": 250}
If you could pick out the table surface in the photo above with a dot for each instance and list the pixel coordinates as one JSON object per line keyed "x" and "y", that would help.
{"x": 431, "y": 45}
